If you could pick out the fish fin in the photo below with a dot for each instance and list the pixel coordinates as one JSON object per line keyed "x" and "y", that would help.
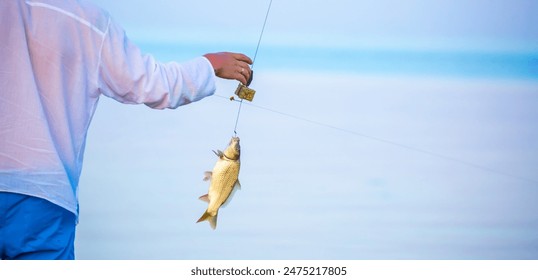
{"x": 205, "y": 198}
{"x": 219, "y": 153}
{"x": 208, "y": 175}
{"x": 211, "y": 219}
{"x": 236, "y": 187}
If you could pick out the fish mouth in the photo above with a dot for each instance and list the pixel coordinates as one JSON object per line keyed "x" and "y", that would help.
{"x": 234, "y": 142}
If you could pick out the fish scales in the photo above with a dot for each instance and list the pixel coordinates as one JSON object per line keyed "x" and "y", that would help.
{"x": 224, "y": 181}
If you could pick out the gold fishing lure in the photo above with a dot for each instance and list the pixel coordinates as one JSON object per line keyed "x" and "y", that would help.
{"x": 244, "y": 92}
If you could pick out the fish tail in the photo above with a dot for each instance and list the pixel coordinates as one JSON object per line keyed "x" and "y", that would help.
{"x": 211, "y": 219}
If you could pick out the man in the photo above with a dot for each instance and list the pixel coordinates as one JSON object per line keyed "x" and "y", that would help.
{"x": 56, "y": 59}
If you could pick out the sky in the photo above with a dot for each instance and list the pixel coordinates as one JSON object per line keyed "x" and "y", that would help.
{"x": 385, "y": 23}
{"x": 379, "y": 130}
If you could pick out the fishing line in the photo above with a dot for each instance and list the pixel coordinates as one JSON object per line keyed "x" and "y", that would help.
{"x": 392, "y": 143}
{"x": 253, "y": 61}
{"x": 261, "y": 33}
{"x": 237, "y": 118}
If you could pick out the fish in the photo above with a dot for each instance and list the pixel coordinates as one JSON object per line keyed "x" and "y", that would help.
{"x": 224, "y": 181}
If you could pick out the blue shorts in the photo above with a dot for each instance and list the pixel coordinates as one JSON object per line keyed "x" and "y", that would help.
{"x": 32, "y": 228}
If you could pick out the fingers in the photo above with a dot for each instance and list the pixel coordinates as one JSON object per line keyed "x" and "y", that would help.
{"x": 243, "y": 58}
{"x": 243, "y": 67}
{"x": 231, "y": 65}
{"x": 240, "y": 77}
{"x": 245, "y": 72}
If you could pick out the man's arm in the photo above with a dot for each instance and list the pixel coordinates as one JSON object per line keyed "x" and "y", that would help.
{"x": 129, "y": 76}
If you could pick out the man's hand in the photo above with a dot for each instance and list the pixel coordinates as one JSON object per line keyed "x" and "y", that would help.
{"x": 231, "y": 65}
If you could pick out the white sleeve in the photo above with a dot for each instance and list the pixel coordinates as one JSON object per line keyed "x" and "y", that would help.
{"x": 129, "y": 76}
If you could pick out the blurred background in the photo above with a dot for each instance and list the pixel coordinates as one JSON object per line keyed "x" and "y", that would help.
{"x": 379, "y": 130}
